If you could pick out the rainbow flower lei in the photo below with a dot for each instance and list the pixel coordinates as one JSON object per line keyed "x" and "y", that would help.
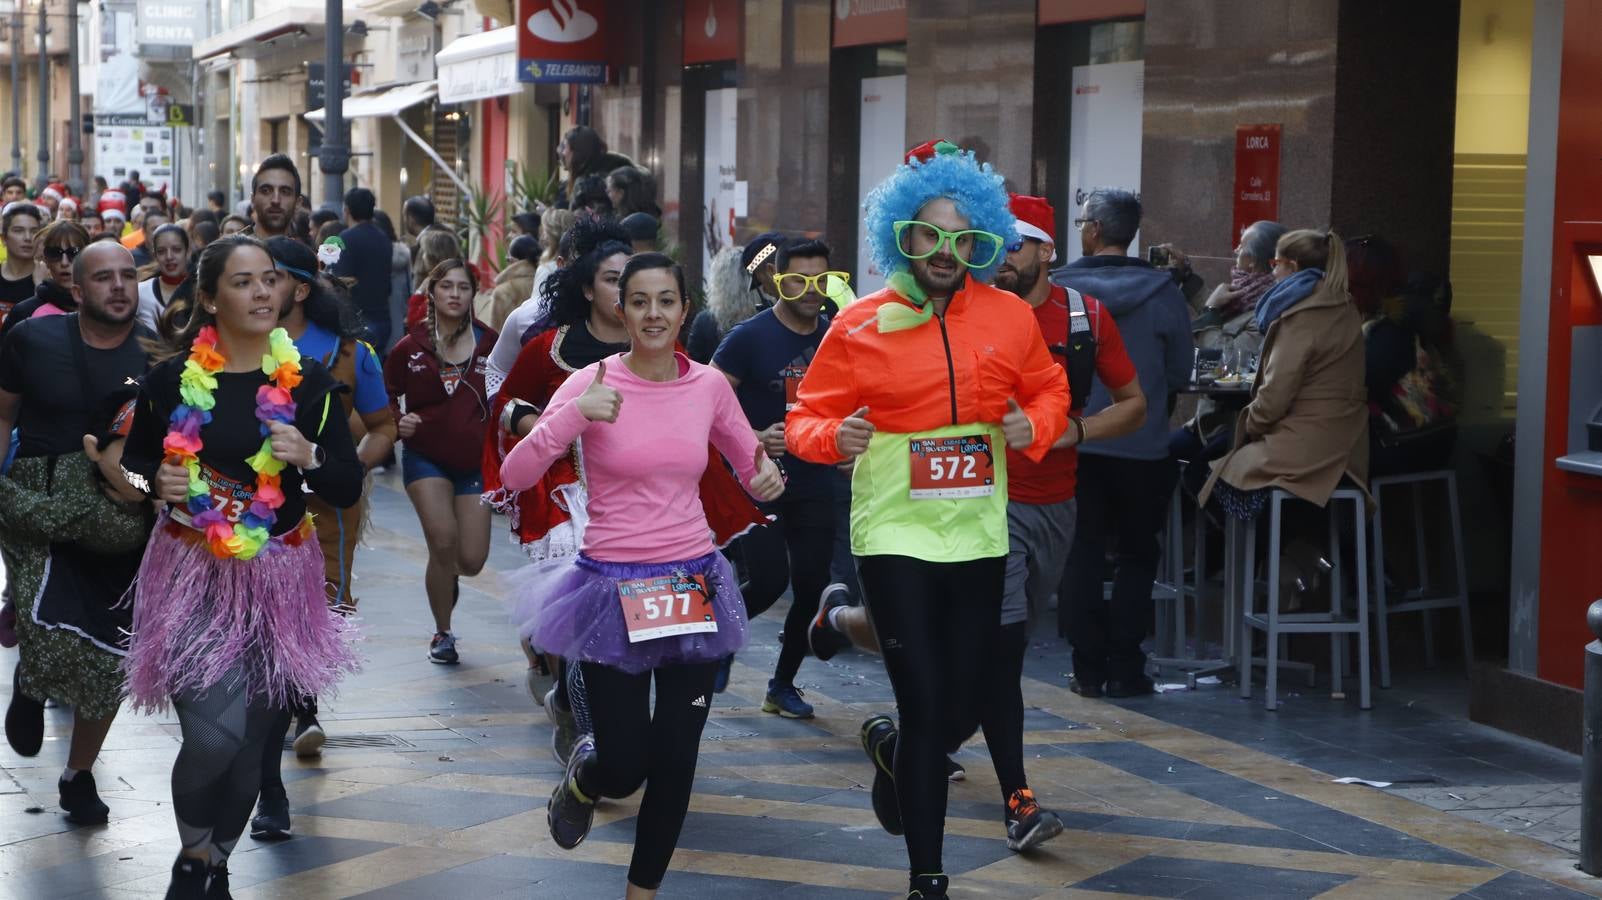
{"x": 197, "y": 387}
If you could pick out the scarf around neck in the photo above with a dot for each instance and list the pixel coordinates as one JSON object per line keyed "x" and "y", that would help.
{"x": 1251, "y": 285}
{"x": 1285, "y": 295}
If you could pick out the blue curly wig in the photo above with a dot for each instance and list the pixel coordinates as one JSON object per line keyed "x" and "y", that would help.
{"x": 979, "y": 193}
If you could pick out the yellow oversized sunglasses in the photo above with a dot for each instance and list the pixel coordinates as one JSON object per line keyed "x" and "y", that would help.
{"x": 794, "y": 285}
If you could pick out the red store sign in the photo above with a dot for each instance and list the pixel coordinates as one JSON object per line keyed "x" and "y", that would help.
{"x": 561, "y": 41}
{"x": 1062, "y": 12}
{"x": 859, "y": 23}
{"x": 1256, "y": 176}
{"x": 711, "y": 31}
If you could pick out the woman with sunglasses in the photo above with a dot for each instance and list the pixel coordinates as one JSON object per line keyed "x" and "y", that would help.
{"x": 924, "y": 384}
{"x": 59, "y": 245}
{"x": 165, "y": 280}
{"x": 765, "y": 357}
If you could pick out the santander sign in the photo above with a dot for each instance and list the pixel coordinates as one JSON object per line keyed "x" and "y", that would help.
{"x": 563, "y": 23}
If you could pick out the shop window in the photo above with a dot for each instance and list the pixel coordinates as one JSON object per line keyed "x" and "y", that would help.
{"x": 1487, "y": 245}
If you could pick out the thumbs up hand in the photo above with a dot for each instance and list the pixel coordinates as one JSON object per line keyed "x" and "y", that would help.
{"x": 854, "y": 434}
{"x": 1016, "y": 427}
{"x": 600, "y": 403}
{"x": 769, "y": 481}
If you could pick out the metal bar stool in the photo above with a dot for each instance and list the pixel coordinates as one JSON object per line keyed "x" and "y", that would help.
{"x": 1426, "y": 598}
{"x": 1336, "y": 622}
{"x": 1170, "y": 590}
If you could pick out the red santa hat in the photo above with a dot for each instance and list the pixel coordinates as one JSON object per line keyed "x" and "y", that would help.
{"x": 114, "y": 202}
{"x": 1036, "y": 219}
{"x": 53, "y": 192}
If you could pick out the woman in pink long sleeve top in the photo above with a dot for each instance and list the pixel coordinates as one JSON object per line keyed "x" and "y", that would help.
{"x": 649, "y": 597}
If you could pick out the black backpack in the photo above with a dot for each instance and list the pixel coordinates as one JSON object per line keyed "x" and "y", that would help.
{"x": 1078, "y": 350}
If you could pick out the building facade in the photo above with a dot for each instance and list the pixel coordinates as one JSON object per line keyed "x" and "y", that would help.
{"x": 1449, "y": 126}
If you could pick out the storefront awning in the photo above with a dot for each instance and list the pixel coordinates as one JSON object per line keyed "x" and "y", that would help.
{"x": 294, "y": 25}
{"x": 390, "y": 104}
{"x": 382, "y": 103}
{"x": 479, "y": 66}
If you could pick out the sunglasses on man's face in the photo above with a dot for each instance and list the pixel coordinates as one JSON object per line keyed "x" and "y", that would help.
{"x": 57, "y": 254}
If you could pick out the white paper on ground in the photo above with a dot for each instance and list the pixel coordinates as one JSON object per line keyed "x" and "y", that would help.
{"x": 1209, "y": 679}
{"x": 1351, "y": 780}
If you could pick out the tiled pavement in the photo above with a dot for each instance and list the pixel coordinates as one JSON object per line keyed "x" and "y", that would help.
{"x": 440, "y": 789}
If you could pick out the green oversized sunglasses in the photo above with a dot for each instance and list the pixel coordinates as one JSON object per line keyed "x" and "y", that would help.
{"x": 976, "y": 249}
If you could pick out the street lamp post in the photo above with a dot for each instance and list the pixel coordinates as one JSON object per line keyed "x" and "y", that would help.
{"x": 44, "y": 97}
{"x": 335, "y": 155}
{"x": 75, "y": 104}
{"x": 16, "y": 75}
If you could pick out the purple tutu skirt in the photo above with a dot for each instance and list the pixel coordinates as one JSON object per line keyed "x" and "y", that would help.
{"x": 198, "y": 618}
{"x": 570, "y": 607}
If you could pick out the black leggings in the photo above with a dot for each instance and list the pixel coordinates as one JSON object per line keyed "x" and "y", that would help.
{"x": 1001, "y": 714}
{"x": 272, "y": 750}
{"x": 792, "y": 552}
{"x": 937, "y": 625}
{"x": 217, "y": 774}
{"x": 635, "y": 747}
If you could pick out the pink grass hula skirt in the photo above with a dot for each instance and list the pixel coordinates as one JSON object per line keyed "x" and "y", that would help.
{"x": 197, "y": 617}
{"x": 570, "y": 607}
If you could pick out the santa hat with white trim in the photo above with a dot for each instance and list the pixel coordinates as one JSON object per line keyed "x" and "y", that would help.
{"x": 1036, "y": 219}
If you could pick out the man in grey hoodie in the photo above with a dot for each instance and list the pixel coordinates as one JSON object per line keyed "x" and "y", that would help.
{"x": 1124, "y": 483}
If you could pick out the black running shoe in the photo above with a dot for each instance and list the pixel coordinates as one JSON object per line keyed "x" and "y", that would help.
{"x": 955, "y": 771}
{"x": 188, "y": 880}
{"x": 886, "y": 802}
{"x": 442, "y": 649}
{"x": 569, "y": 813}
{"x": 822, "y": 636}
{"x": 24, "y": 719}
{"x": 1140, "y": 686}
{"x": 81, "y": 801}
{"x": 309, "y": 736}
{"x": 1029, "y": 826}
{"x": 272, "y": 814}
{"x": 217, "y": 885}
{"x": 925, "y": 887}
{"x": 1090, "y": 690}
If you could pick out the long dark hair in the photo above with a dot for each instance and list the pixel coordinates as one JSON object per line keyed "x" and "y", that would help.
{"x": 639, "y": 191}
{"x": 326, "y": 304}
{"x": 176, "y": 336}
{"x": 587, "y": 243}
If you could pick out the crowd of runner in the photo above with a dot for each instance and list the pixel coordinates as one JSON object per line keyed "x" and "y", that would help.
{"x": 189, "y": 463}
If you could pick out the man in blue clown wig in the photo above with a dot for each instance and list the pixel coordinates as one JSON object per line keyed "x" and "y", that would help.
{"x": 923, "y": 386}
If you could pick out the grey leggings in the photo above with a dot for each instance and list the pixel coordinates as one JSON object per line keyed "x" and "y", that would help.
{"x": 218, "y": 771}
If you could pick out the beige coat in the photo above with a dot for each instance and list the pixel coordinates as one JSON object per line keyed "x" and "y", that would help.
{"x": 1307, "y": 423}
{"x": 513, "y": 285}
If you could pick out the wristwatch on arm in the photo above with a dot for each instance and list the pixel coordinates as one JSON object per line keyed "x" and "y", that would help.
{"x": 319, "y": 456}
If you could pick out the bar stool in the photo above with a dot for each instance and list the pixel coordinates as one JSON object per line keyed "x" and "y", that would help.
{"x": 1336, "y": 622}
{"x": 1425, "y": 598}
{"x": 1170, "y": 590}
